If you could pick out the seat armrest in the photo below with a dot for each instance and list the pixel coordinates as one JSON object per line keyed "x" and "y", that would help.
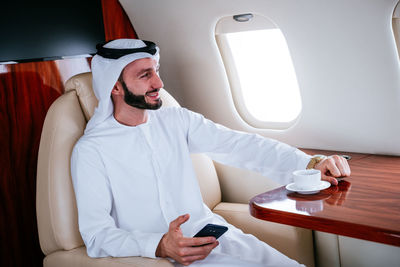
{"x": 294, "y": 242}
{"x": 79, "y": 258}
{"x": 236, "y": 189}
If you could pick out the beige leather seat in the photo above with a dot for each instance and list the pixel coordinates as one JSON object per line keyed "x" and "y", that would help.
{"x": 56, "y": 208}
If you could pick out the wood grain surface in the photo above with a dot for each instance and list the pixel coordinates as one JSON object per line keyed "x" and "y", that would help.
{"x": 365, "y": 205}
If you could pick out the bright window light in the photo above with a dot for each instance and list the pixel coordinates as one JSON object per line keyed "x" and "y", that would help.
{"x": 266, "y": 74}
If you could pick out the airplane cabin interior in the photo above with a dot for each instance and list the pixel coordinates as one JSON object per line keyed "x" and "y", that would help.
{"x": 321, "y": 76}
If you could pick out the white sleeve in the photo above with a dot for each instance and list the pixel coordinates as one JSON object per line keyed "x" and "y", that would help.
{"x": 268, "y": 157}
{"x": 94, "y": 200}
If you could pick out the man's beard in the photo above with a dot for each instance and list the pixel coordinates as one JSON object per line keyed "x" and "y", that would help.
{"x": 139, "y": 101}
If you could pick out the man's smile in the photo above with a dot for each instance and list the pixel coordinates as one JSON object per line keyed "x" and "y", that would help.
{"x": 154, "y": 94}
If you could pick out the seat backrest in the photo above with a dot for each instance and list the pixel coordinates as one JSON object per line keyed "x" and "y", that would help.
{"x": 55, "y": 199}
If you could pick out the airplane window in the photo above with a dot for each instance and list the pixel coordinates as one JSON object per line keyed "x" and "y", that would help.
{"x": 396, "y": 26}
{"x": 261, "y": 74}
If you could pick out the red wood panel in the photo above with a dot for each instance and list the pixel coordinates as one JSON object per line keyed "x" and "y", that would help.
{"x": 26, "y": 92}
{"x": 117, "y": 24}
{"x": 24, "y": 98}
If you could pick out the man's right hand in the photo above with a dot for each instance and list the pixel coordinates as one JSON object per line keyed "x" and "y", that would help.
{"x": 184, "y": 250}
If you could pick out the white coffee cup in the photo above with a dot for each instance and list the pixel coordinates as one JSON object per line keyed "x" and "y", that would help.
{"x": 307, "y": 179}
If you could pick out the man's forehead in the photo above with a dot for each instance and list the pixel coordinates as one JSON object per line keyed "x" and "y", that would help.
{"x": 141, "y": 64}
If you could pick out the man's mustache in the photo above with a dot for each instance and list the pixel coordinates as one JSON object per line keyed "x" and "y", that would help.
{"x": 153, "y": 91}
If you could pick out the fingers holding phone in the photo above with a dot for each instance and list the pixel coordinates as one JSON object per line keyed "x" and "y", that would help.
{"x": 211, "y": 230}
{"x": 184, "y": 250}
{"x": 195, "y": 249}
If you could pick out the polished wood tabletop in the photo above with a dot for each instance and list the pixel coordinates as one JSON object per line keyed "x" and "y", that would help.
{"x": 365, "y": 205}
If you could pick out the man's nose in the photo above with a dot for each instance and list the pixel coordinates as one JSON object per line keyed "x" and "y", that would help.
{"x": 157, "y": 82}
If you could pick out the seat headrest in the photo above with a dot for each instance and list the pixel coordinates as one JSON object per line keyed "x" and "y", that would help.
{"x": 82, "y": 84}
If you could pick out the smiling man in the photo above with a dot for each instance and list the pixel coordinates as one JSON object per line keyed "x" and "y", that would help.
{"x": 130, "y": 104}
{"x": 136, "y": 189}
{"x": 134, "y": 76}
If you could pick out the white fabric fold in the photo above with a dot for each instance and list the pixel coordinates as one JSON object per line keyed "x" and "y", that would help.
{"x": 131, "y": 182}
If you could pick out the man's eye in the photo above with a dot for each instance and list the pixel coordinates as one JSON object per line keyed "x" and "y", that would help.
{"x": 145, "y": 75}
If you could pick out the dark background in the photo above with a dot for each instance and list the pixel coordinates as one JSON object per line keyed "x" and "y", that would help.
{"x": 37, "y": 30}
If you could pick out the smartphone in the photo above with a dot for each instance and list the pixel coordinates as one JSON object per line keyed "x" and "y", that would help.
{"x": 212, "y": 230}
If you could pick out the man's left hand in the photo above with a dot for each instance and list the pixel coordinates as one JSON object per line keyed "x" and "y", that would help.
{"x": 333, "y": 167}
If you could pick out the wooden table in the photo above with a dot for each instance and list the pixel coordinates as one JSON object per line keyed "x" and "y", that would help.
{"x": 365, "y": 205}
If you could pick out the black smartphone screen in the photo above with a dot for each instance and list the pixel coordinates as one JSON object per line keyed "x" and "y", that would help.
{"x": 212, "y": 230}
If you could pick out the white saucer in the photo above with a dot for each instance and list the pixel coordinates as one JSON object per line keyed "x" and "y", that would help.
{"x": 323, "y": 185}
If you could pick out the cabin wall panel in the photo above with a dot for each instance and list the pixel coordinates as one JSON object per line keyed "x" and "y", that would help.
{"x": 26, "y": 92}
{"x": 25, "y": 97}
{"x": 344, "y": 54}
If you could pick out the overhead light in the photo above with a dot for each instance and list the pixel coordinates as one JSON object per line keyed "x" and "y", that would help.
{"x": 243, "y": 17}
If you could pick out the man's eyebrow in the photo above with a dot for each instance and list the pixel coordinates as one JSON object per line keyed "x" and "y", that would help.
{"x": 143, "y": 71}
{"x": 146, "y": 70}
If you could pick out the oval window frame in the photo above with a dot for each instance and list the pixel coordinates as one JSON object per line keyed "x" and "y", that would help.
{"x": 228, "y": 25}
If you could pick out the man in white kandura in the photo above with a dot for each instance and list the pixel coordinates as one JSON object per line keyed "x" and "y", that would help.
{"x": 136, "y": 190}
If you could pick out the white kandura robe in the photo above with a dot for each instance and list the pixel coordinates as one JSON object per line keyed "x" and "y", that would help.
{"x": 131, "y": 182}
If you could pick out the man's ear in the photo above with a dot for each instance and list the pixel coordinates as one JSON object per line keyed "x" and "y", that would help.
{"x": 117, "y": 89}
